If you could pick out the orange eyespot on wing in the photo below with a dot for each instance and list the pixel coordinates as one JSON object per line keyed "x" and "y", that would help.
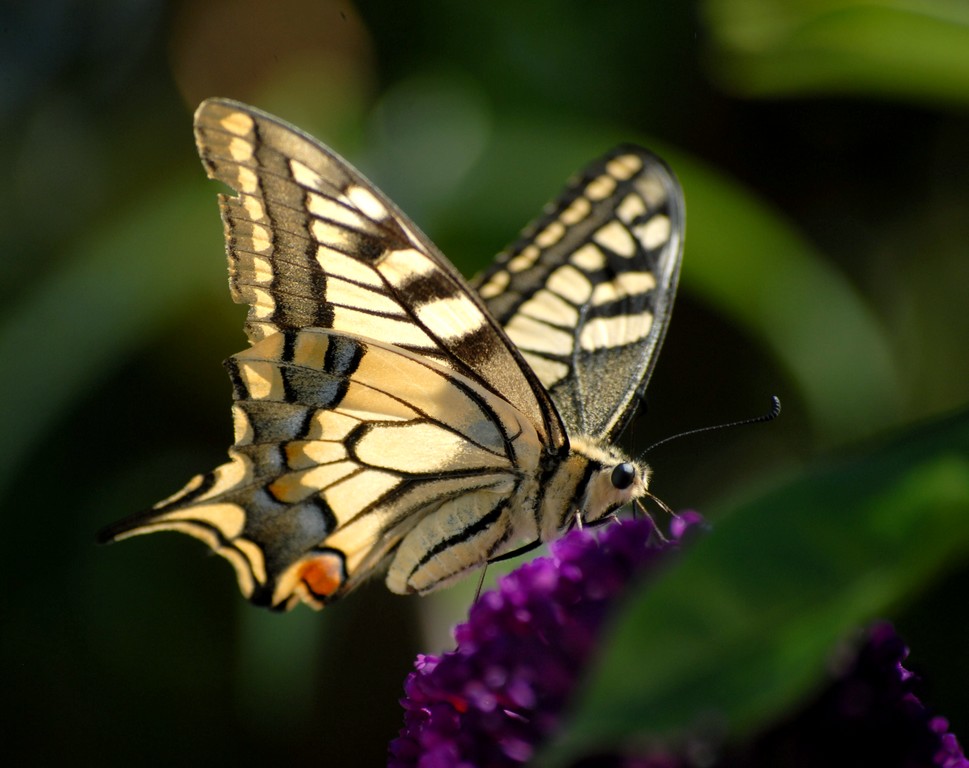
{"x": 320, "y": 577}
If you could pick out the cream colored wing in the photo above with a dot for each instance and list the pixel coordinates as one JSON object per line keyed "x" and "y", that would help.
{"x": 344, "y": 447}
{"x": 312, "y": 244}
{"x": 587, "y": 291}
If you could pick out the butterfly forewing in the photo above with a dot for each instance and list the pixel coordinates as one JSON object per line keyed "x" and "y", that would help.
{"x": 312, "y": 243}
{"x": 587, "y": 291}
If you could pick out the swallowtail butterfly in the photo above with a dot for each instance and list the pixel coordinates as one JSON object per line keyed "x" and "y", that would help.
{"x": 392, "y": 417}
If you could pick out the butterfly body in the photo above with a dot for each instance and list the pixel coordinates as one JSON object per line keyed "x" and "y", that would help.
{"x": 388, "y": 415}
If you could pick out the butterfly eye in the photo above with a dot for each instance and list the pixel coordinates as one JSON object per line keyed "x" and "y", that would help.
{"x": 623, "y": 476}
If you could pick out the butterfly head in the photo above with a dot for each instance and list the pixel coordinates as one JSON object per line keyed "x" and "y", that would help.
{"x": 613, "y": 487}
{"x": 614, "y": 479}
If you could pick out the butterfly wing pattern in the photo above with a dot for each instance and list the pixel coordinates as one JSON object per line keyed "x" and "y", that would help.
{"x": 388, "y": 417}
{"x": 586, "y": 292}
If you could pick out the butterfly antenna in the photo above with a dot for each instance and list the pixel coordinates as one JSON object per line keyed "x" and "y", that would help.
{"x": 775, "y": 411}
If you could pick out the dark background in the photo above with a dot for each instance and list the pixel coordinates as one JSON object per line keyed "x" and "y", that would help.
{"x": 825, "y": 155}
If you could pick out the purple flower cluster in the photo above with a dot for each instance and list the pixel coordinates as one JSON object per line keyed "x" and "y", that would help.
{"x": 867, "y": 715}
{"x": 500, "y": 693}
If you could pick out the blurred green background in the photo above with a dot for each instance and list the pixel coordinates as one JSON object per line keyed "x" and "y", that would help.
{"x": 824, "y": 149}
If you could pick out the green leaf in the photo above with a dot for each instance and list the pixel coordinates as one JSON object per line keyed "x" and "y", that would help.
{"x": 913, "y": 51}
{"x": 744, "y": 258}
{"x": 740, "y": 629}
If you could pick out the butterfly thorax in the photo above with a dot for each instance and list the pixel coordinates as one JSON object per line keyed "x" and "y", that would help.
{"x": 594, "y": 480}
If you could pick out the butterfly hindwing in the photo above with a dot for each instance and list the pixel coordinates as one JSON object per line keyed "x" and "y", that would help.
{"x": 312, "y": 243}
{"x": 587, "y": 291}
{"x": 324, "y": 481}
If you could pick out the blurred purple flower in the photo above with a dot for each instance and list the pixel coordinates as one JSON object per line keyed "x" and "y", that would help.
{"x": 500, "y": 694}
{"x": 868, "y": 714}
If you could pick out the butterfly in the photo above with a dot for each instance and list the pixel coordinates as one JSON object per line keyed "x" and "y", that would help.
{"x": 391, "y": 417}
